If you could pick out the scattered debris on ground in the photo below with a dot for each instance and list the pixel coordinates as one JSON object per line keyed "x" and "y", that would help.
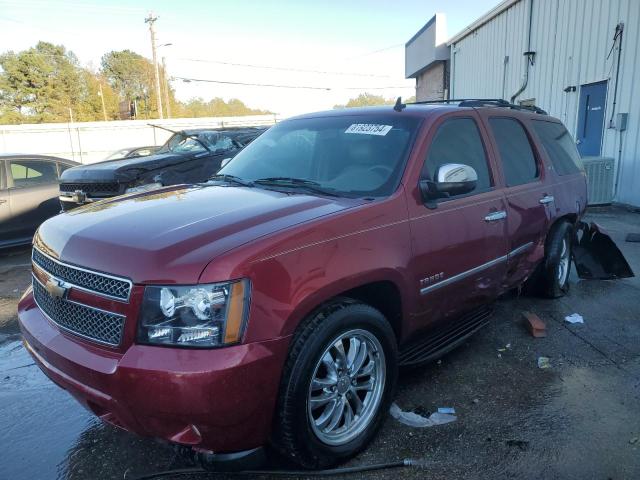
{"x": 536, "y": 327}
{"x": 544, "y": 362}
{"x": 414, "y": 419}
{"x": 447, "y": 410}
{"x": 574, "y": 318}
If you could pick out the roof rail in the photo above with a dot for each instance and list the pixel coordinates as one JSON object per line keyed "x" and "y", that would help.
{"x": 483, "y": 102}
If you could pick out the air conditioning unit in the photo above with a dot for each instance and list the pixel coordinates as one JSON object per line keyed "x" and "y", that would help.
{"x": 600, "y": 174}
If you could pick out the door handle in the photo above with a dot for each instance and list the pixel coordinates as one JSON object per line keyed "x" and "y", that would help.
{"x": 495, "y": 216}
{"x": 546, "y": 199}
{"x": 2, "y": 201}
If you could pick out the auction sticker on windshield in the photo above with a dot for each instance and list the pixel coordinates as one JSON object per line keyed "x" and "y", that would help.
{"x": 368, "y": 129}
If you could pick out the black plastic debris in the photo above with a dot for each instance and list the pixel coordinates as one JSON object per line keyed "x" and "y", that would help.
{"x": 597, "y": 256}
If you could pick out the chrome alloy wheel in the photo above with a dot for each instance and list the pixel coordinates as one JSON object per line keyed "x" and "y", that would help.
{"x": 346, "y": 387}
{"x": 563, "y": 263}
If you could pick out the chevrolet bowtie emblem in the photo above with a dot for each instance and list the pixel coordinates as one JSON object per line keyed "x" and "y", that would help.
{"x": 56, "y": 289}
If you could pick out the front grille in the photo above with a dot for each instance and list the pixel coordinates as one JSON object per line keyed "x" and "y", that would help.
{"x": 108, "y": 188}
{"x": 85, "y": 321}
{"x": 96, "y": 282}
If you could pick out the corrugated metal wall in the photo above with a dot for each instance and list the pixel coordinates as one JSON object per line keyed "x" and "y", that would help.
{"x": 571, "y": 39}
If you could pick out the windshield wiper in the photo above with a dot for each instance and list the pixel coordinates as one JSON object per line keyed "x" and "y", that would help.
{"x": 291, "y": 182}
{"x": 232, "y": 179}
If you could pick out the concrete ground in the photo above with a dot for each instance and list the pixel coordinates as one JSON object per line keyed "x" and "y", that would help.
{"x": 578, "y": 419}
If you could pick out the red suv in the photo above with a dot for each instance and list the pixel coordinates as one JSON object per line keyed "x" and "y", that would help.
{"x": 273, "y": 304}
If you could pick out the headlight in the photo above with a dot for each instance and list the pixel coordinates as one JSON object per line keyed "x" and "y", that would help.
{"x": 143, "y": 188}
{"x": 194, "y": 316}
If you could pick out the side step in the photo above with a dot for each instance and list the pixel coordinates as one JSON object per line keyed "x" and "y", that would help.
{"x": 444, "y": 338}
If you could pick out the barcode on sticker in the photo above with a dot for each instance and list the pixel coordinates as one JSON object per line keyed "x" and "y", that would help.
{"x": 369, "y": 129}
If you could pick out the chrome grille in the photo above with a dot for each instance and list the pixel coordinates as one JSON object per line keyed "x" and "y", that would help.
{"x": 95, "y": 282}
{"x": 106, "y": 188}
{"x": 82, "y": 320}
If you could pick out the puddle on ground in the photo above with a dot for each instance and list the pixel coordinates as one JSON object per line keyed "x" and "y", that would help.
{"x": 46, "y": 434}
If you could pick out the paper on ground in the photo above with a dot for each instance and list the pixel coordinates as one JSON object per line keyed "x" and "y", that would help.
{"x": 574, "y": 318}
{"x": 414, "y": 420}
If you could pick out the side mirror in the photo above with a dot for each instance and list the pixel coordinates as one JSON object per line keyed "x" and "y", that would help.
{"x": 451, "y": 179}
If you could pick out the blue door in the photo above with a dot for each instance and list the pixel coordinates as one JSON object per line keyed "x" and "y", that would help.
{"x": 593, "y": 99}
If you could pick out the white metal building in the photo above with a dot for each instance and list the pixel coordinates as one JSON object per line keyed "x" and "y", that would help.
{"x": 577, "y": 59}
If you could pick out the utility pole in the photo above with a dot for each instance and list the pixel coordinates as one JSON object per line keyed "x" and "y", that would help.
{"x": 151, "y": 20}
{"x": 104, "y": 110}
{"x": 167, "y": 103}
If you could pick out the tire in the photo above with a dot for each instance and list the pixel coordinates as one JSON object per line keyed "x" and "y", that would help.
{"x": 304, "y": 429}
{"x": 556, "y": 266}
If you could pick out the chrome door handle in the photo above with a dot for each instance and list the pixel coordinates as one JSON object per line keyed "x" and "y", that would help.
{"x": 2, "y": 201}
{"x": 495, "y": 216}
{"x": 546, "y": 199}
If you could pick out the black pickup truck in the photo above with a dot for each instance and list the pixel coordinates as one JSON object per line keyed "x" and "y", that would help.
{"x": 189, "y": 156}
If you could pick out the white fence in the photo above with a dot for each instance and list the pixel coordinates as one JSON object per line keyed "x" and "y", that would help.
{"x": 89, "y": 142}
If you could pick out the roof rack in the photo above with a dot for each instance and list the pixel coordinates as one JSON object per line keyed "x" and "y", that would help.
{"x": 483, "y": 102}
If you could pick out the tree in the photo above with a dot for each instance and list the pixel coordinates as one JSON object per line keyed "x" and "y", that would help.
{"x": 40, "y": 84}
{"x": 46, "y": 84}
{"x": 217, "y": 107}
{"x": 370, "y": 100}
{"x": 90, "y": 108}
{"x": 132, "y": 76}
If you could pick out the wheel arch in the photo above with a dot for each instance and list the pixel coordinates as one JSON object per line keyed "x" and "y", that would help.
{"x": 380, "y": 291}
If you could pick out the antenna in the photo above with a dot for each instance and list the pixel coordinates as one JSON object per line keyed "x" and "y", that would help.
{"x": 399, "y": 106}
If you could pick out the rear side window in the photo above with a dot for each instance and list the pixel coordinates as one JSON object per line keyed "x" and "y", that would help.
{"x": 518, "y": 162}
{"x": 559, "y": 146}
{"x": 458, "y": 141}
{"x": 26, "y": 173}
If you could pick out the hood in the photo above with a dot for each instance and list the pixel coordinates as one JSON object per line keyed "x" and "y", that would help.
{"x": 127, "y": 169}
{"x": 170, "y": 235}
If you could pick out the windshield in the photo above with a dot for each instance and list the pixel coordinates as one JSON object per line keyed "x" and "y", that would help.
{"x": 118, "y": 155}
{"x": 216, "y": 142}
{"x": 353, "y": 155}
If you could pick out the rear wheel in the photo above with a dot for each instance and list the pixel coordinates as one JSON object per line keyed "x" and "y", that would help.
{"x": 337, "y": 385}
{"x": 556, "y": 267}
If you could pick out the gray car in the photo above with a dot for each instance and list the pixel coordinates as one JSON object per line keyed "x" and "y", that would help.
{"x": 28, "y": 194}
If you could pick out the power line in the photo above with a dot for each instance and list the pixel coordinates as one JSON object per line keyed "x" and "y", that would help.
{"x": 306, "y": 87}
{"x": 188, "y": 80}
{"x": 284, "y": 69}
{"x": 390, "y": 47}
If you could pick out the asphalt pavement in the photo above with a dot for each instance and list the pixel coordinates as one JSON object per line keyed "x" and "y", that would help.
{"x": 578, "y": 419}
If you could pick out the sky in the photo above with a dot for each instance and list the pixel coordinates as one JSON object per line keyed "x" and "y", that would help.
{"x": 351, "y": 46}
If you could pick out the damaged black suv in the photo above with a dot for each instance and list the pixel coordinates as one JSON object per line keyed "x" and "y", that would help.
{"x": 189, "y": 156}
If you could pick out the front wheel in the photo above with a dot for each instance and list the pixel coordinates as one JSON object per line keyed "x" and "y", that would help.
{"x": 337, "y": 385}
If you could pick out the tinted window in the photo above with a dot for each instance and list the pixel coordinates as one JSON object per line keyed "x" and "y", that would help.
{"x": 458, "y": 141}
{"x": 26, "y": 173}
{"x": 518, "y": 162}
{"x": 353, "y": 155}
{"x": 559, "y": 146}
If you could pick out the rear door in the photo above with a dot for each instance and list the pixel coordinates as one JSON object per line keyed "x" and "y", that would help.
{"x": 33, "y": 193}
{"x": 528, "y": 192}
{"x": 459, "y": 245}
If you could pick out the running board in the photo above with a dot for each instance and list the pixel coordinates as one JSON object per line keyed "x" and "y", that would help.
{"x": 442, "y": 339}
